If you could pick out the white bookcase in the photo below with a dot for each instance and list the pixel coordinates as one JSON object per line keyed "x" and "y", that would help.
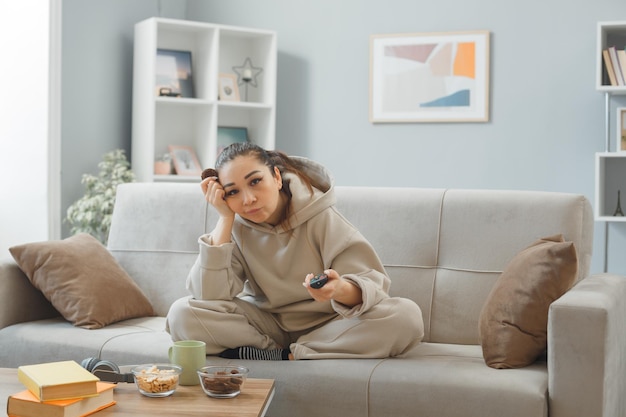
{"x": 160, "y": 121}
{"x": 610, "y": 172}
{"x": 610, "y": 164}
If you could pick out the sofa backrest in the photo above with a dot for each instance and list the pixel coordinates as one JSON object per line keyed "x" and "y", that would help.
{"x": 154, "y": 236}
{"x": 442, "y": 248}
{"x": 446, "y": 248}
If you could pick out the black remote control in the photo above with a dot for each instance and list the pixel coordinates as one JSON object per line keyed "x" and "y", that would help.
{"x": 318, "y": 281}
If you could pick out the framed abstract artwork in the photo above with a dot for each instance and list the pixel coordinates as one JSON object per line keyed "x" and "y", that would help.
{"x": 429, "y": 77}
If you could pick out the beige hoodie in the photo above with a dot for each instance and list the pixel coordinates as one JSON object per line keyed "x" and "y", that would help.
{"x": 268, "y": 264}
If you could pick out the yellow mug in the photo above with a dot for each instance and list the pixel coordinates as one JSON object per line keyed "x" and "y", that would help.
{"x": 191, "y": 356}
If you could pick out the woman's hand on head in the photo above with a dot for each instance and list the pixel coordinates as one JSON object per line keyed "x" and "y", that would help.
{"x": 214, "y": 195}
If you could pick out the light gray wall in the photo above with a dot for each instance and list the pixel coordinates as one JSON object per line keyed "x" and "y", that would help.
{"x": 547, "y": 120}
{"x": 97, "y": 66}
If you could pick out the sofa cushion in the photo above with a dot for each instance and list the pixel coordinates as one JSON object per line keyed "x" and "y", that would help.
{"x": 513, "y": 321}
{"x": 82, "y": 280}
{"x": 440, "y": 379}
{"x": 132, "y": 341}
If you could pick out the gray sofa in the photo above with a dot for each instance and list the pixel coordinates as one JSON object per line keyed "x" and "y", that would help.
{"x": 444, "y": 249}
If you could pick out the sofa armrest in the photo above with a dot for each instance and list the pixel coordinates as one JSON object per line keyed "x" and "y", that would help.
{"x": 586, "y": 349}
{"x": 19, "y": 300}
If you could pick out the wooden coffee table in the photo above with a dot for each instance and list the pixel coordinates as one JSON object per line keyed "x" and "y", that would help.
{"x": 253, "y": 401}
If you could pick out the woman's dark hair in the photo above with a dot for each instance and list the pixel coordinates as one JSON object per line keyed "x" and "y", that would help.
{"x": 271, "y": 159}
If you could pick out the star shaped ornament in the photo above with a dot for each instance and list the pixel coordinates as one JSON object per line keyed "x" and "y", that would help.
{"x": 247, "y": 73}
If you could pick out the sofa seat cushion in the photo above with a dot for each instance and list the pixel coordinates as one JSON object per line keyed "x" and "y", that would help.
{"x": 453, "y": 380}
{"x": 329, "y": 387}
{"x": 56, "y": 339}
{"x": 432, "y": 379}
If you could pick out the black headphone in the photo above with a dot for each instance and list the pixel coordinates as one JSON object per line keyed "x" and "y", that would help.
{"x": 106, "y": 370}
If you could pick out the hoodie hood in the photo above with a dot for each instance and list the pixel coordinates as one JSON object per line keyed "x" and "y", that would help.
{"x": 304, "y": 205}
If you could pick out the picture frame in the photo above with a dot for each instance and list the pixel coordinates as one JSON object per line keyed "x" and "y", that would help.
{"x": 429, "y": 77}
{"x": 227, "y": 135}
{"x": 228, "y": 88}
{"x": 185, "y": 160}
{"x": 620, "y": 133}
{"x": 173, "y": 74}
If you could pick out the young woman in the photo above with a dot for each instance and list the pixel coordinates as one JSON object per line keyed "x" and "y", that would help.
{"x": 251, "y": 296}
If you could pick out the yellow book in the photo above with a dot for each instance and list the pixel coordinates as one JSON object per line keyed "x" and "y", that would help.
{"x": 58, "y": 380}
{"x": 25, "y": 404}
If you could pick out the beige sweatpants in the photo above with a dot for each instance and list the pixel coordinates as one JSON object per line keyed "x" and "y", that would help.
{"x": 388, "y": 329}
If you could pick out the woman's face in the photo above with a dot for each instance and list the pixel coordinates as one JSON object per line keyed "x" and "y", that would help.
{"x": 252, "y": 190}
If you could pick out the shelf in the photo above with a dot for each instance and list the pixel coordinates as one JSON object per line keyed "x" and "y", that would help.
{"x": 243, "y": 105}
{"x": 611, "y": 219}
{"x": 183, "y": 101}
{"x": 618, "y": 91}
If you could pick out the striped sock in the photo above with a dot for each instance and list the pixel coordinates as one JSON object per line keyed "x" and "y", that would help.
{"x": 249, "y": 352}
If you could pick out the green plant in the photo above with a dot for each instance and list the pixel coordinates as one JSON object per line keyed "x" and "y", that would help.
{"x": 92, "y": 212}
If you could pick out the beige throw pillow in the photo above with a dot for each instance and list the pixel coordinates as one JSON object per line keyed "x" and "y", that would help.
{"x": 514, "y": 320}
{"x": 82, "y": 280}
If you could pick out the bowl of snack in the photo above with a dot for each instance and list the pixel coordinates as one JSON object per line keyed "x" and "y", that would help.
{"x": 222, "y": 381}
{"x": 157, "y": 380}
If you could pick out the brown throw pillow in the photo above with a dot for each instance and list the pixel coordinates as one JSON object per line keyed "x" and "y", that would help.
{"x": 514, "y": 320}
{"x": 82, "y": 280}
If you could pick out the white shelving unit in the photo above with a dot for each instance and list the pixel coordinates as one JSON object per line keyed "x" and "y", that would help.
{"x": 610, "y": 172}
{"x": 162, "y": 121}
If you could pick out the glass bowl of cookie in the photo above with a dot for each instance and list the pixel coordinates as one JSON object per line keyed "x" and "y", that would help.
{"x": 222, "y": 381}
{"x": 157, "y": 379}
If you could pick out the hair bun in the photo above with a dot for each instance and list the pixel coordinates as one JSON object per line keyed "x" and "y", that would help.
{"x": 209, "y": 172}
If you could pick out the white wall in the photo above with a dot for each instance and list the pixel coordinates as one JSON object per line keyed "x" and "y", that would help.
{"x": 24, "y": 27}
